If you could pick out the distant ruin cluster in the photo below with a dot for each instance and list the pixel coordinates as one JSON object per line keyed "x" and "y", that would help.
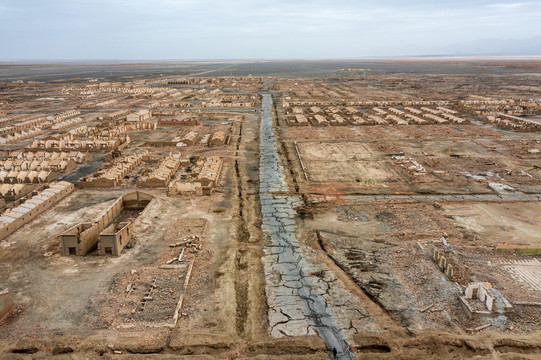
{"x": 507, "y": 114}
{"x": 245, "y": 83}
{"x": 376, "y": 213}
{"x": 231, "y": 100}
{"x": 393, "y": 115}
{"x": 30, "y": 128}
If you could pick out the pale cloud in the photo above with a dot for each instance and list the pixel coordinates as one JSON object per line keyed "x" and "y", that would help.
{"x": 196, "y": 29}
{"x": 506, "y": 6}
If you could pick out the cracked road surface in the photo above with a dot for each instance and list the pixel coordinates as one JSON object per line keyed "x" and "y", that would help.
{"x": 296, "y": 298}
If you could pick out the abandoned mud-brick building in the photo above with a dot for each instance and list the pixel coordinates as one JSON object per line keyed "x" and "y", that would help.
{"x": 114, "y": 238}
{"x": 185, "y": 188}
{"x": 120, "y": 114}
{"x": 140, "y": 115}
{"x": 111, "y": 176}
{"x": 218, "y": 138}
{"x": 210, "y": 173}
{"x": 191, "y": 121}
{"x": 161, "y": 176}
{"x": 190, "y": 138}
{"x": 12, "y": 192}
{"x": 110, "y": 233}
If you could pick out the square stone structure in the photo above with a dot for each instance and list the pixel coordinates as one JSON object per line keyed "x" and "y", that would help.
{"x": 84, "y": 237}
{"x": 140, "y": 115}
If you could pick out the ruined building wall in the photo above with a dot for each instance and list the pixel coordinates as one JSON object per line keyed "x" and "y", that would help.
{"x": 88, "y": 239}
{"x": 114, "y": 238}
{"x": 136, "y": 200}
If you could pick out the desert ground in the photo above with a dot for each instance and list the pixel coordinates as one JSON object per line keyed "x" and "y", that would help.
{"x": 352, "y": 209}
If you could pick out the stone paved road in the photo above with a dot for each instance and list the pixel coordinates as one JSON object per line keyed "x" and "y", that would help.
{"x": 296, "y": 298}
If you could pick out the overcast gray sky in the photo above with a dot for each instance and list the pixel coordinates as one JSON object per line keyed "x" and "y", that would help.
{"x": 242, "y": 29}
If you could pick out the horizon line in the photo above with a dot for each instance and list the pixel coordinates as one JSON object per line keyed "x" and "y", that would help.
{"x": 398, "y": 57}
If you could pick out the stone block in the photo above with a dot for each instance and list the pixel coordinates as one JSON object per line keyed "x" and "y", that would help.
{"x": 443, "y": 263}
{"x": 489, "y": 302}
{"x": 482, "y": 294}
{"x": 449, "y": 272}
{"x": 469, "y": 291}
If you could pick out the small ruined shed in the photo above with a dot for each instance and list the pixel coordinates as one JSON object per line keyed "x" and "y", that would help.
{"x": 108, "y": 234}
{"x": 481, "y": 300}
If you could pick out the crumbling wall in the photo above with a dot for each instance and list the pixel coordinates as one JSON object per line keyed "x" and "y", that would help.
{"x": 108, "y": 216}
{"x": 484, "y": 293}
{"x": 136, "y": 200}
{"x": 6, "y": 303}
{"x": 114, "y": 238}
{"x": 82, "y": 238}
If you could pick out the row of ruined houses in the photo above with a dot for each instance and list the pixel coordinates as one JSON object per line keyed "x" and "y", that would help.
{"x": 96, "y": 144}
{"x": 39, "y": 122}
{"x": 57, "y": 165}
{"x": 205, "y": 181}
{"x": 12, "y": 219}
{"x": 111, "y": 176}
{"x": 29, "y": 167}
{"x": 514, "y": 123}
{"x": 26, "y": 177}
{"x": 216, "y": 139}
{"x": 161, "y": 176}
{"x": 77, "y": 156}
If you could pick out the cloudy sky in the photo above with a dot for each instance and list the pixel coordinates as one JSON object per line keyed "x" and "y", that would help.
{"x": 255, "y": 29}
